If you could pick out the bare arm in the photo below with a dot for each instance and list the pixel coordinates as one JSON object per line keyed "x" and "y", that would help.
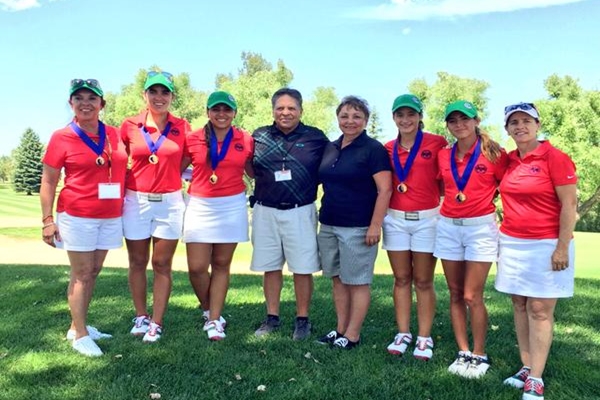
{"x": 383, "y": 181}
{"x": 567, "y": 195}
{"x": 50, "y": 178}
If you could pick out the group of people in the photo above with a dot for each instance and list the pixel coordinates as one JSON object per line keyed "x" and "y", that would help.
{"x": 371, "y": 193}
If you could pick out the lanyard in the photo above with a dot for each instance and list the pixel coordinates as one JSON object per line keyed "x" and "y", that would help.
{"x": 154, "y": 146}
{"x": 97, "y": 148}
{"x": 215, "y": 155}
{"x": 402, "y": 173}
{"x": 461, "y": 181}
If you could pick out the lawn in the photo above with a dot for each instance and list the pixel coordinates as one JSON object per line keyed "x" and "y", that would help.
{"x": 38, "y": 364}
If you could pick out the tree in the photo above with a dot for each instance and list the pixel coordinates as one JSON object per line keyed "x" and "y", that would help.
{"x": 374, "y": 128}
{"x": 6, "y": 168}
{"x": 571, "y": 119}
{"x": 28, "y": 163}
{"x": 255, "y": 84}
{"x": 447, "y": 89}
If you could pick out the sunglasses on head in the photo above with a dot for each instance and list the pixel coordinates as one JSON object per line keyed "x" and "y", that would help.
{"x": 167, "y": 75}
{"x": 79, "y": 83}
{"x": 520, "y": 106}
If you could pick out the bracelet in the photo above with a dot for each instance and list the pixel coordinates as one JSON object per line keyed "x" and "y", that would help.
{"x": 46, "y": 217}
{"x": 47, "y": 225}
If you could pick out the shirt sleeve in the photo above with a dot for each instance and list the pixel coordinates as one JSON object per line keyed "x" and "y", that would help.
{"x": 562, "y": 169}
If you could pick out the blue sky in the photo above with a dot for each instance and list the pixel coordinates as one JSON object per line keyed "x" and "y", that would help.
{"x": 371, "y": 48}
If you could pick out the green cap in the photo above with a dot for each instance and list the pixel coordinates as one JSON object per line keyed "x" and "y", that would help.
{"x": 463, "y": 106}
{"x": 221, "y": 97}
{"x": 408, "y": 100}
{"x": 90, "y": 84}
{"x": 159, "y": 78}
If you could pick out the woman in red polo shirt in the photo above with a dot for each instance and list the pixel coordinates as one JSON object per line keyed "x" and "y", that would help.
{"x": 467, "y": 234}
{"x": 89, "y": 207}
{"x": 154, "y": 207}
{"x": 536, "y": 263}
{"x": 410, "y": 224}
{"x": 216, "y": 218}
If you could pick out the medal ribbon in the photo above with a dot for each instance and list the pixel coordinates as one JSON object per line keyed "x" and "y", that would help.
{"x": 153, "y": 147}
{"x": 402, "y": 173}
{"x": 461, "y": 181}
{"x": 215, "y": 155}
{"x": 96, "y": 148}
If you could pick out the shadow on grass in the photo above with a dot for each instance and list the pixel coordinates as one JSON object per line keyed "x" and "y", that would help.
{"x": 38, "y": 363}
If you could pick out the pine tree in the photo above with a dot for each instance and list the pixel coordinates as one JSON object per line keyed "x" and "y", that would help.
{"x": 374, "y": 128}
{"x": 28, "y": 163}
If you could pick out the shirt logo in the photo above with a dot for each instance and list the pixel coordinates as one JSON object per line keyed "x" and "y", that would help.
{"x": 174, "y": 132}
{"x": 534, "y": 169}
{"x": 239, "y": 147}
{"x": 480, "y": 169}
{"x": 426, "y": 154}
{"x": 570, "y": 176}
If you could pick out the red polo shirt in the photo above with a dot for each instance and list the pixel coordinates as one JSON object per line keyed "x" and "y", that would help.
{"x": 165, "y": 176}
{"x": 79, "y": 195}
{"x": 531, "y": 206}
{"x": 230, "y": 170}
{"x": 480, "y": 189}
{"x": 422, "y": 181}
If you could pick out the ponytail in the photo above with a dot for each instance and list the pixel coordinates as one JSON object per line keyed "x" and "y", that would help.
{"x": 490, "y": 149}
{"x": 208, "y": 130}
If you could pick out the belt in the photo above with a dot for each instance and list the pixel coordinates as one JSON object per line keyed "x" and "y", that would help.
{"x": 485, "y": 219}
{"x": 414, "y": 215}
{"x": 281, "y": 206}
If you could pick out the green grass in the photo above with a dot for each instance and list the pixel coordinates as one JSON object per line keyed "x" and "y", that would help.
{"x": 18, "y": 204}
{"x": 37, "y": 363}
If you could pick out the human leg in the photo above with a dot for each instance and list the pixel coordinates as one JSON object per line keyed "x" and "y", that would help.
{"x": 139, "y": 254}
{"x": 162, "y": 260}
{"x": 360, "y": 299}
{"x": 198, "y": 260}
{"x": 540, "y": 314}
{"x": 454, "y": 271}
{"x": 222, "y": 255}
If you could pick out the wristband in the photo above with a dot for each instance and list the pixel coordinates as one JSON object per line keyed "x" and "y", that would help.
{"x": 47, "y": 225}
{"x": 46, "y": 217}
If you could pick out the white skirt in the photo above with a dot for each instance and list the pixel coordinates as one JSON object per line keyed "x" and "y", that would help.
{"x": 525, "y": 268}
{"x": 216, "y": 220}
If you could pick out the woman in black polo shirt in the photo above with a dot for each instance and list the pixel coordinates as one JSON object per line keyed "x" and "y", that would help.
{"x": 357, "y": 184}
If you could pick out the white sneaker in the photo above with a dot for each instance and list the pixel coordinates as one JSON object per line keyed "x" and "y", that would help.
{"x": 206, "y": 316}
{"x": 424, "y": 348}
{"x": 214, "y": 330}
{"x": 140, "y": 325}
{"x": 87, "y": 347}
{"x": 459, "y": 366}
{"x": 153, "y": 334}
{"x": 518, "y": 379}
{"x": 477, "y": 367}
{"x": 400, "y": 343}
{"x": 94, "y": 333}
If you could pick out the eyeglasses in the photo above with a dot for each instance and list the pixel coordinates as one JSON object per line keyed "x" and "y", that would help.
{"x": 520, "y": 106}
{"x": 167, "y": 75}
{"x": 79, "y": 83}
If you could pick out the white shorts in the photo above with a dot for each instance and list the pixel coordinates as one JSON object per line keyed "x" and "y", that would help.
{"x": 525, "y": 268}
{"x": 88, "y": 234}
{"x": 413, "y": 231}
{"x": 151, "y": 214}
{"x": 345, "y": 254}
{"x": 285, "y": 235}
{"x": 467, "y": 239}
{"x": 216, "y": 219}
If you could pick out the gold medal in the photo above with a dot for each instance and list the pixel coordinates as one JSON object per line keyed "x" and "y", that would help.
{"x": 402, "y": 188}
{"x": 460, "y": 197}
{"x": 99, "y": 161}
{"x": 153, "y": 159}
{"x": 213, "y": 178}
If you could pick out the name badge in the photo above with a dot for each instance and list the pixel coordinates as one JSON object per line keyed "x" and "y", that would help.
{"x": 283, "y": 175}
{"x": 109, "y": 191}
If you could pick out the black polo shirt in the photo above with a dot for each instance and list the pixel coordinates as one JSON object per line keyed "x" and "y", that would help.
{"x": 349, "y": 190}
{"x": 300, "y": 151}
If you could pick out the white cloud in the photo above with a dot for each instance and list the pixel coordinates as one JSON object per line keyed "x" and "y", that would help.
{"x": 418, "y": 10}
{"x": 406, "y": 31}
{"x": 18, "y": 5}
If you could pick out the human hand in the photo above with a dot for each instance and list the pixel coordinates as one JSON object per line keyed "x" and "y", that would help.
{"x": 560, "y": 259}
{"x": 373, "y": 235}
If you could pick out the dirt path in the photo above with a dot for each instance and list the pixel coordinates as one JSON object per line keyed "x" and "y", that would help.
{"x": 28, "y": 251}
